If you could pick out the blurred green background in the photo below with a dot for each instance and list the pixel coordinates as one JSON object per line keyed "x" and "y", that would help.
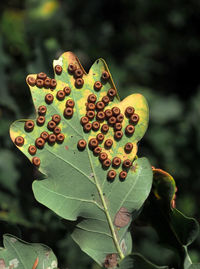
{"x": 151, "y": 47}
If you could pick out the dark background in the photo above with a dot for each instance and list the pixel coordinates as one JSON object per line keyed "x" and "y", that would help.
{"x": 151, "y": 47}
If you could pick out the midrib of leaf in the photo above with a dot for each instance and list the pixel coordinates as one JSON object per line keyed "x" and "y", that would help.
{"x": 107, "y": 213}
{"x": 116, "y": 243}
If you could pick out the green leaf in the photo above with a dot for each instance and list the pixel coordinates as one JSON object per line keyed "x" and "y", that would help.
{"x": 19, "y": 254}
{"x": 195, "y": 266}
{"x": 136, "y": 261}
{"x": 75, "y": 184}
{"x": 175, "y": 230}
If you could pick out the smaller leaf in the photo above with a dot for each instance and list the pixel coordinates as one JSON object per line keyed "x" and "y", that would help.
{"x": 19, "y": 254}
{"x": 164, "y": 186}
{"x": 174, "y": 229}
{"x": 136, "y": 261}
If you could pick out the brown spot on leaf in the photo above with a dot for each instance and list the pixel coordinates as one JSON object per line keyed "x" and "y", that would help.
{"x": 110, "y": 261}
{"x": 134, "y": 168}
{"x": 66, "y": 147}
{"x": 122, "y": 218}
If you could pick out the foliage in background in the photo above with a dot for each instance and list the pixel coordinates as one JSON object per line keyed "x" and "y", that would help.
{"x": 158, "y": 47}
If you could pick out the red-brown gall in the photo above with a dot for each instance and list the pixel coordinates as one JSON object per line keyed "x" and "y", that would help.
{"x": 40, "y": 120}
{"x": 95, "y": 126}
{"x": 70, "y": 103}
{"x": 127, "y": 163}
{"x": 19, "y": 141}
{"x": 56, "y": 118}
{"x": 97, "y": 85}
{"x": 42, "y": 76}
{"x": 108, "y": 143}
{"x": 84, "y": 120}
{"x": 100, "y": 115}
{"x": 122, "y": 175}
{"x": 129, "y": 111}
{"x": 120, "y": 118}
{"x": 31, "y": 81}
{"x": 60, "y": 95}
{"x": 36, "y": 161}
{"x": 67, "y": 90}
{"x": 111, "y": 175}
{"x": 47, "y": 83}
{"x": 29, "y": 125}
{"x": 78, "y": 73}
{"x": 106, "y": 163}
{"x": 100, "y": 105}
{"x": 129, "y": 129}
{"x": 58, "y": 69}
{"x": 68, "y": 112}
{"x": 115, "y": 111}
{"x": 128, "y": 147}
{"x": 108, "y": 113}
{"x": 97, "y": 151}
{"x": 39, "y": 83}
{"x": 105, "y": 100}
{"x": 90, "y": 114}
{"x": 81, "y": 144}
{"x": 116, "y": 162}
{"x": 53, "y": 83}
{"x": 39, "y": 142}
{"x": 52, "y": 138}
{"x": 87, "y": 127}
{"x": 51, "y": 125}
{"x": 71, "y": 68}
{"x": 44, "y": 135}
{"x": 112, "y": 120}
{"x": 105, "y": 75}
{"x": 118, "y": 126}
{"x": 118, "y": 135}
{"x": 90, "y": 106}
{"x": 42, "y": 110}
{"x": 104, "y": 128}
{"x": 134, "y": 119}
{"x": 60, "y": 138}
{"x": 32, "y": 150}
{"x": 92, "y": 98}
{"x": 111, "y": 93}
{"x": 93, "y": 143}
{"x": 49, "y": 98}
{"x": 103, "y": 156}
{"x": 56, "y": 130}
{"x": 79, "y": 82}
{"x": 100, "y": 137}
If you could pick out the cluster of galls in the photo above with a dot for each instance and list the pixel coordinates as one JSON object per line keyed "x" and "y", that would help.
{"x": 78, "y": 75}
{"x": 51, "y": 137}
{"x": 42, "y": 81}
{"x": 94, "y": 120}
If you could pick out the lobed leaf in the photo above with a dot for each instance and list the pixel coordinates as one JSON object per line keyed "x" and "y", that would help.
{"x": 75, "y": 183}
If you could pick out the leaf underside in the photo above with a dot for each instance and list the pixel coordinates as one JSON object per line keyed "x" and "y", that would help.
{"x": 136, "y": 261}
{"x": 19, "y": 254}
{"x": 75, "y": 184}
